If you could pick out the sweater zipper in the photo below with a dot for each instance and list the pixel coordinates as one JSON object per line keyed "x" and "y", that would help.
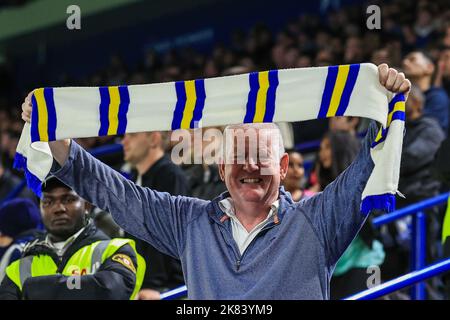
{"x": 232, "y": 244}
{"x": 269, "y": 226}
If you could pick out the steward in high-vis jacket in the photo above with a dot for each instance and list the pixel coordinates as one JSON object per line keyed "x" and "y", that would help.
{"x": 75, "y": 260}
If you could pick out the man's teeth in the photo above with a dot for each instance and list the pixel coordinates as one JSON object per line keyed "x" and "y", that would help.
{"x": 254, "y": 180}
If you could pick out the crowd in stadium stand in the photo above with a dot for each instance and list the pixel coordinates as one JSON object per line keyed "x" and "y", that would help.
{"x": 414, "y": 38}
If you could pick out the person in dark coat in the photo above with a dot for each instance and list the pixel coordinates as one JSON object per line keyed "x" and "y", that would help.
{"x": 61, "y": 264}
{"x": 423, "y": 136}
{"x": 145, "y": 151}
{"x": 422, "y": 140}
{"x": 420, "y": 68}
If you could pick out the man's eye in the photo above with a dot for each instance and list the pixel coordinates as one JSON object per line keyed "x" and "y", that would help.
{"x": 70, "y": 200}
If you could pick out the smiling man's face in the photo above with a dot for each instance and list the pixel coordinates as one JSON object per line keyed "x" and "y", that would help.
{"x": 63, "y": 212}
{"x": 253, "y": 170}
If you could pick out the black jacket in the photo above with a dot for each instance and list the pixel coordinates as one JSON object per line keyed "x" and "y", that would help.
{"x": 204, "y": 182}
{"x": 420, "y": 144}
{"x": 111, "y": 281}
{"x": 162, "y": 272}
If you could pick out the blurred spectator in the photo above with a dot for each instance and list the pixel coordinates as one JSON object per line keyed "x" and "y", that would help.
{"x": 422, "y": 139}
{"x": 347, "y": 124}
{"x": 204, "y": 179}
{"x": 337, "y": 151}
{"x": 443, "y": 70}
{"x": 441, "y": 171}
{"x": 425, "y": 26}
{"x": 294, "y": 182}
{"x": 420, "y": 144}
{"x": 420, "y": 69}
{"x": 20, "y": 222}
{"x": 145, "y": 151}
{"x": 8, "y": 183}
{"x": 381, "y": 56}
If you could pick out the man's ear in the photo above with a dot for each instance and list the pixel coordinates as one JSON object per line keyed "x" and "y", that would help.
{"x": 88, "y": 207}
{"x": 430, "y": 68}
{"x": 354, "y": 121}
{"x": 155, "y": 138}
{"x": 221, "y": 166}
{"x": 284, "y": 165}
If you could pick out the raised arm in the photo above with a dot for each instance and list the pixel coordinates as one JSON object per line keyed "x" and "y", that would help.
{"x": 156, "y": 217}
{"x": 335, "y": 213}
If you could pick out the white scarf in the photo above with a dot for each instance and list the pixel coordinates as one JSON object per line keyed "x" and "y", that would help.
{"x": 269, "y": 96}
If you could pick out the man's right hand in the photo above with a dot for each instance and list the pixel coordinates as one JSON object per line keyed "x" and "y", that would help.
{"x": 60, "y": 149}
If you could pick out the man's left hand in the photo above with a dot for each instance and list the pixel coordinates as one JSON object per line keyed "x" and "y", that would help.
{"x": 393, "y": 80}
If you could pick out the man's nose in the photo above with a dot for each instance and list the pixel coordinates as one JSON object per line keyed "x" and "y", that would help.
{"x": 59, "y": 208}
{"x": 250, "y": 165}
{"x": 125, "y": 139}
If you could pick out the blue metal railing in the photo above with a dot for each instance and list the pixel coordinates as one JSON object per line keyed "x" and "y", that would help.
{"x": 401, "y": 213}
{"x": 418, "y": 237}
{"x": 402, "y": 282}
{"x": 373, "y": 293}
{"x": 174, "y": 293}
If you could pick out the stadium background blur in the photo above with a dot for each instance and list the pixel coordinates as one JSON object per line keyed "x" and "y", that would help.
{"x": 135, "y": 42}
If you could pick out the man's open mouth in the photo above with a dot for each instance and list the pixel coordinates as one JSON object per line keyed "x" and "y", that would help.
{"x": 251, "y": 180}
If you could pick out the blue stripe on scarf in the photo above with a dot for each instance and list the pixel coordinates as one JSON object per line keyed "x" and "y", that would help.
{"x": 34, "y": 120}
{"x": 123, "y": 109}
{"x": 252, "y": 95}
{"x": 348, "y": 89}
{"x": 328, "y": 91}
{"x": 398, "y": 97}
{"x": 199, "y": 103}
{"x": 179, "y": 107}
{"x": 104, "y": 110}
{"x": 271, "y": 96}
{"x": 51, "y": 113}
{"x": 398, "y": 115}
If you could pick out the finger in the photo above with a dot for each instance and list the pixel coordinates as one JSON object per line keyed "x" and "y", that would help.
{"x": 28, "y": 97}
{"x": 25, "y": 117}
{"x": 26, "y": 107}
{"x": 405, "y": 87}
{"x": 383, "y": 73}
{"x": 398, "y": 82}
{"x": 392, "y": 75}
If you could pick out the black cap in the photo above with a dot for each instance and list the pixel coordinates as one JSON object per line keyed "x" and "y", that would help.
{"x": 52, "y": 182}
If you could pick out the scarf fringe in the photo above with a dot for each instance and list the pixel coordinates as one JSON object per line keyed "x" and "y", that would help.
{"x": 33, "y": 182}
{"x": 384, "y": 202}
